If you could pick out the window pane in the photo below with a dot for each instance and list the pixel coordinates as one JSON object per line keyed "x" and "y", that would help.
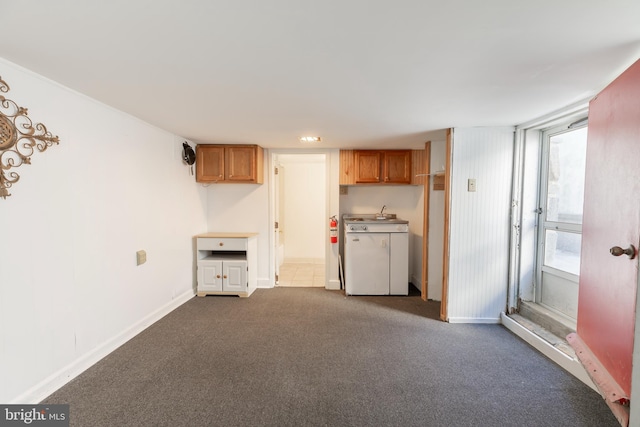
{"x": 562, "y": 250}
{"x": 565, "y": 187}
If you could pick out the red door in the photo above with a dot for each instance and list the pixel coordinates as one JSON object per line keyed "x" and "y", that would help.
{"x": 608, "y": 284}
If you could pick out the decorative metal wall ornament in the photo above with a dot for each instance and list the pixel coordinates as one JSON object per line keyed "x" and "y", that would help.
{"x": 19, "y": 138}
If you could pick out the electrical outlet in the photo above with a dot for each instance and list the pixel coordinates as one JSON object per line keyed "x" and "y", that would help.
{"x": 141, "y": 257}
{"x": 471, "y": 185}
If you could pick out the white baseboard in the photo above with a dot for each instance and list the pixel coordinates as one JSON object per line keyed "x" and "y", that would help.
{"x": 333, "y": 284}
{"x": 265, "y": 283}
{"x": 484, "y": 320}
{"x": 417, "y": 281}
{"x": 58, "y": 379}
{"x": 569, "y": 364}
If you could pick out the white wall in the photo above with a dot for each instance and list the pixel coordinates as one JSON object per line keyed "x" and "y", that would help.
{"x": 70, "y": 290}
{"x": 436, "y": 224}
{"x": 479, "y": 224}
{"x": 303, "y": 219}
{"x": 406, "y": 201}
{"x": 242, "y": 208}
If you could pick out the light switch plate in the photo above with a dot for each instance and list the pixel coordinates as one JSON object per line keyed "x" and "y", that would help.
{"x": 471, "y": 185}
{"x": 141, "y": 257}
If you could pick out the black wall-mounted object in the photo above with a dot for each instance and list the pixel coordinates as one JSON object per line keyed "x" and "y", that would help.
{"x": 188, "y": 155}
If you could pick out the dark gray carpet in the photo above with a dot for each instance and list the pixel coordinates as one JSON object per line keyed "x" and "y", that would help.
{"x": 311, "y": 357}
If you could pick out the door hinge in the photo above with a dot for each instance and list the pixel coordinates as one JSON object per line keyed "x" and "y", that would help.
{"x": 276, "y": 224}
{"x": 275, "y": 171}
{"x": 277, "y": 278}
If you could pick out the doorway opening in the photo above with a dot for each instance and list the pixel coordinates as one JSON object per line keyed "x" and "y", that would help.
{"x": 300, "y": 205}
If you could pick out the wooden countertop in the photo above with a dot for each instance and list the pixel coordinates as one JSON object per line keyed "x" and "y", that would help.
{"x": 227, "y": 235}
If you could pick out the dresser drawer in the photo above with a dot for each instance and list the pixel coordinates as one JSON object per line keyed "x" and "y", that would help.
{"x": 222, "y": 244}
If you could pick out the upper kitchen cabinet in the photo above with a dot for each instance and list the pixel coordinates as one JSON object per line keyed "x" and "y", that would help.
{"x": 375, "y": 167}
{"x": 368, "y": 170}
{"x": 396, "y": 167}
{"x": 230, "y": 163}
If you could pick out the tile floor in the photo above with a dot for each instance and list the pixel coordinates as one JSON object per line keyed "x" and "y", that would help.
{"x": 301, "y": 275}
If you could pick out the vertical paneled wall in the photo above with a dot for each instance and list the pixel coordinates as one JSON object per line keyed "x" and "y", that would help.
{"x": 479, "y": 223}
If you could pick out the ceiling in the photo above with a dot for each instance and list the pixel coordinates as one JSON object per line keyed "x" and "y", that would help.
{"x": 358, "y": 73}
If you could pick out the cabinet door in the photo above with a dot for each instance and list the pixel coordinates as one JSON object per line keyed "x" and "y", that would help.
{"x": 234, "y": 275}
{"x": 241, "y": 164}
{"x": 209, "y": 163}
{"x": 210, "y": 276}
{"x": 397, "y": 167}
{"x": 367, "y": 163}
{"x": 367, "y": 263}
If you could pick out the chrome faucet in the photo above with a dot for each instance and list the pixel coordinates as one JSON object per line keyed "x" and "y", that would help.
{"x": 382, "y": 210}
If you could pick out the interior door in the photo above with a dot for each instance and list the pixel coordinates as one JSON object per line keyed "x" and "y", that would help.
{"x": 608, "y": 284}
{"x": 278, "y": 202}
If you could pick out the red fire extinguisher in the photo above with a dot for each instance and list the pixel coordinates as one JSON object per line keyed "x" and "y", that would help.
{"x": 333, "y": 229}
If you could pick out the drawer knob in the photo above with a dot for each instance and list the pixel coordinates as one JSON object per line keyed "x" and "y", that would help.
{"x": 221, "y": 243}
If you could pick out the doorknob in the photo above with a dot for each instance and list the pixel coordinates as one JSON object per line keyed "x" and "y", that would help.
{"x": 630, "y": 251}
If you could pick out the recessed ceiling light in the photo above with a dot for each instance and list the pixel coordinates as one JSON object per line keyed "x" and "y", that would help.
{"x": 310, "y": 139}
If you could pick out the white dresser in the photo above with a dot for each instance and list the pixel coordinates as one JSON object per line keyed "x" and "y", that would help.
{"x": 226, "y": 263}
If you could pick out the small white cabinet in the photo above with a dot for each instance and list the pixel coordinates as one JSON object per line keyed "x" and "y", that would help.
{"x": 226, "y": 263}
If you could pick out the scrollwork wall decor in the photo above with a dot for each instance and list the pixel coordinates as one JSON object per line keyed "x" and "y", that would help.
{"x": 19, "y": 138}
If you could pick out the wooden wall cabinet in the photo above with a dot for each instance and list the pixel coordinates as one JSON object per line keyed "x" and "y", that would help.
{"x": 229, "y": 164}
{"x": 376, "y": 167}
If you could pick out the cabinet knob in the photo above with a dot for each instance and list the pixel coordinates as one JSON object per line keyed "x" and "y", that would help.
{"x": 224, "y": 277}
{"x": 218, "y": 276}
{"x": 221, "y": 244}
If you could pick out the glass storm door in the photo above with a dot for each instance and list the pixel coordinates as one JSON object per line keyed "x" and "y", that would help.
{"x": 560, "y": 225}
